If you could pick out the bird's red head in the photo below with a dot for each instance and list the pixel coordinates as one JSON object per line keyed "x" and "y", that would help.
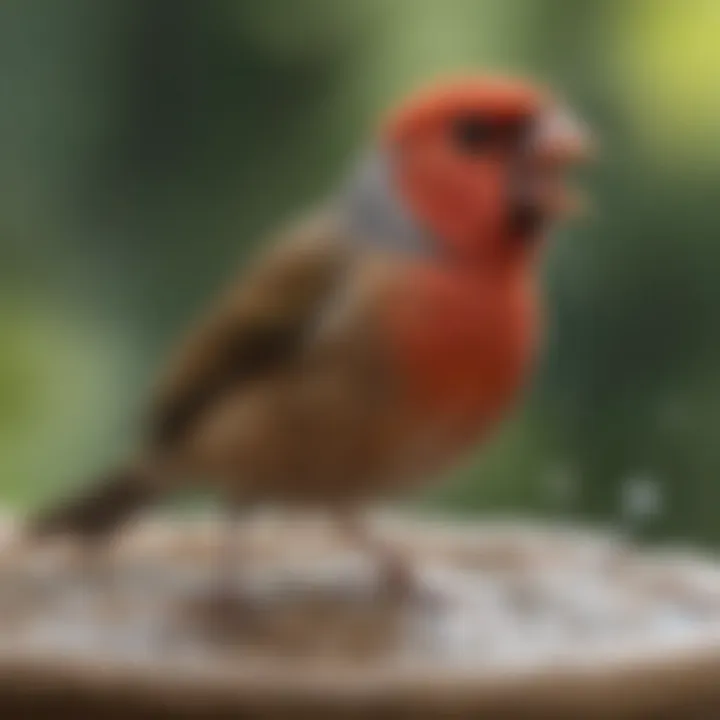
{"x": 480, "y": 162}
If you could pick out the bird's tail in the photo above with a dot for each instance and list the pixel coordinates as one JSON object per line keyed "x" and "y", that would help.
{"x": 100, "y": 509}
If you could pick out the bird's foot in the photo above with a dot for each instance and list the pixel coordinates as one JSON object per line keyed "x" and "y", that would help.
{"x": 223, "y": 610}
{"x": 401, "y": 583}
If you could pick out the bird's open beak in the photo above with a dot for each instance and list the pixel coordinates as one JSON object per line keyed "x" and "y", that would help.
{"x": 561, "y": 139}
{"x": 560, "y": 142}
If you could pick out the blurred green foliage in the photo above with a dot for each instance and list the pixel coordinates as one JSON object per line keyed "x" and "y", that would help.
{"x": 147, "y": 145}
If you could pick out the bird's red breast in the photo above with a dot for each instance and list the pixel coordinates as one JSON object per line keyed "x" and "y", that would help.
{"x": 463, "y": 343}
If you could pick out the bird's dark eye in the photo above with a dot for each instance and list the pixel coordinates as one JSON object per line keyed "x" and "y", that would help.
{"x": 517, "y": 130}
{"x": 471, "y": 133}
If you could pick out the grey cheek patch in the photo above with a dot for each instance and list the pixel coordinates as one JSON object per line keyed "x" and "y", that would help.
{"x": 375, "y": 214}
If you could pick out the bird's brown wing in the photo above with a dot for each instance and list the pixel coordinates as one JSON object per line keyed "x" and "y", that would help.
{"x": 258, "y": 327}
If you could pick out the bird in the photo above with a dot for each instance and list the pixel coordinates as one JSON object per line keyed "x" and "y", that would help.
{"x": 378, "y": 339}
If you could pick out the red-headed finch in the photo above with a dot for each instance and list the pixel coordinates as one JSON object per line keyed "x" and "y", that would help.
{"x": 378, "y": 341}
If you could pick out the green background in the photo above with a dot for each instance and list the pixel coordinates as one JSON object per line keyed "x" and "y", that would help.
{"x": 146, "y": 146}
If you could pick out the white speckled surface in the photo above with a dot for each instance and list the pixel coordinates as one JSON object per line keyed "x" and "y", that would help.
{"x": 504, "y": 597}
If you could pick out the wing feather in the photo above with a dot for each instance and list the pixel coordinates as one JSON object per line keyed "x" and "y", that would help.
{"x": 258, "y": 327}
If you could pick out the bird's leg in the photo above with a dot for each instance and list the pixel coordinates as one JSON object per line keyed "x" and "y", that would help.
{"x": 398, "y": 577}
{"x": 225, "y": 604}
{"x": 227, "y": 555}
